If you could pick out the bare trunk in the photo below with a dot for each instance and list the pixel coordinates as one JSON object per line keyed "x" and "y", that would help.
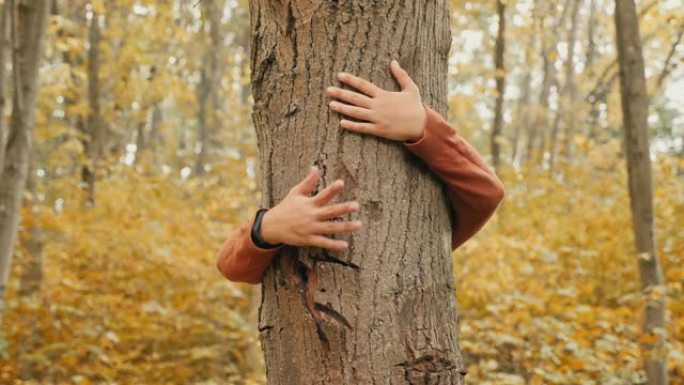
{"x": 4, "y": 42}
{"x": 591, "y": 35}
{"x": 384, "y": 311}
{"x": 499, "y": 50}
{"x": 94, "y": 126}
{"x": 570, "y": 86}
{"x": 635, "y": 114}
{"x": 28, "y": 24}
{"x": 209, "y": 85}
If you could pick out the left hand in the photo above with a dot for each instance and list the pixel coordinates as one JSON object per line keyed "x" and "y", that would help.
{"x": 392, "y": 115}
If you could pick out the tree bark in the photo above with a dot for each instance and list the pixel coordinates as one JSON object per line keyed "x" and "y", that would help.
{"x": 384, "y": 311}
{"x": 635, "y": 119}
{"x": 28, "y": 24}
{"x": 499, "y": 50}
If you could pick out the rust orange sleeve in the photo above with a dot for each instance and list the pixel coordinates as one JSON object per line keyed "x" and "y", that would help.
{"x": 240, "y": 260}
{"x": 474, "y": 190}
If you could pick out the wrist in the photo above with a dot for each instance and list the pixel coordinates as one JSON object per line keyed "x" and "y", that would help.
{"x": 267, "y": 230}
{"x": 421, "y": 127}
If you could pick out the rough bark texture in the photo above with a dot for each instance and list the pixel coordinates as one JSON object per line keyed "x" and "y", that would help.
{"x": 28, "y": 24}
{"x": 383, "y": 312}
{"x": 635, "y": 115}
{"x": 499, "y": 49}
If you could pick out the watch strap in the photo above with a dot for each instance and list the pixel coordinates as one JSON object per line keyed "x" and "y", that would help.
{"x": 256, "y": 229}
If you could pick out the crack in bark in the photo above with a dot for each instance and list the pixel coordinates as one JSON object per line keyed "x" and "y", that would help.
{"x": 430, "y": 363}
{"x": 327, "y": 257}
{"x": 334, "y": 314}
{"x": 309, "y": 281}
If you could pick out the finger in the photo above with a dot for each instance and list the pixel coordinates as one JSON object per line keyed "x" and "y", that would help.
{"x": 337, "y": 210}
{"x": 327, "y": 194}
{"x": 360, "y": 127}
{"x": 351, "y": 111}
{"x": 335, "y": 227}
{"x": 402, "y": 77}
{"x": 327, "y": 243}
{"x": 307, "y": 185}
{"x": 350, "y": 97}
{"x": 360, "y": 84}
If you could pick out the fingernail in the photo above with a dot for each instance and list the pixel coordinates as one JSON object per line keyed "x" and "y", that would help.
{"x": 329, "y": 89}
{"x": 333, "y": 104}
{"x": 340, "y": 182}
{"x": 358, "y": 223}
{"x": 340, "y": 75}
{"x": 355, "y": 205}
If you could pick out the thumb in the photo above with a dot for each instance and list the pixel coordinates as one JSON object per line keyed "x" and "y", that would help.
{"x": 307, "y": 184}
{"x": 402, "y": 76}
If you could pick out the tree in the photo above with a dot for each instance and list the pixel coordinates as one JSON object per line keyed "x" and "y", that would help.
{"x": 28, "y": 22}
{"x": 384, "y": 309}
{"x": 93, "y": 127}
{"x": 499, "y": 50}
{"x": 634, "y": 99}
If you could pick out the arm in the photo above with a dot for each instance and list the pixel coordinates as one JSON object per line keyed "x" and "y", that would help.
{"x": 299, "y": 220}
{"x": 240, "y": 259}
{"x": 474, "y": 190}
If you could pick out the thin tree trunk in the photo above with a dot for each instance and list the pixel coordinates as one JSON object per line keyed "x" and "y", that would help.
{"x": 93, "y": 143}
{"x": 570, "y": 85}
{"x": 208, "y": 88}
{"x": 384, "y": 311}
{"x": 28, "y": 24}
{"x": 635, "y": 119}
{"x": 568, "y": 96}
{"x": 4, "y": 29}
{"x": 499, "y": 50}
{"x": 591, "y": 36}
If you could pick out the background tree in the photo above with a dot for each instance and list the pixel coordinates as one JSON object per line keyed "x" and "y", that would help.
{"x": 28, "y": 22}
{"x": 499, "y": 52}
{"x": 635, "y": 119}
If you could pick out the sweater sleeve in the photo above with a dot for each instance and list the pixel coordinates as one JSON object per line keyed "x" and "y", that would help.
{"x": 474, "y": 190}
{"x": 240, "y": 260}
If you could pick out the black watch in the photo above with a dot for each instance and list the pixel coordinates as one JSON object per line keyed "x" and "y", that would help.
{"x": 256, "y": 229}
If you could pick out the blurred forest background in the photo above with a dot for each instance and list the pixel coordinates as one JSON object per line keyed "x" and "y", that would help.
{"x": 144, "y": 159}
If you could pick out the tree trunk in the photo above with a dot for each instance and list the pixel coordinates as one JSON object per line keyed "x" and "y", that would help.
{"x": 28, "y": 24}
{"x": 635, "y": 114}
{"x": 499, "y": 49}
{"x": 570, "y": 86}
{"x": 4, "y": 13}
{"x": 92, "y": 144}
{"x": 209, "y": 84}
{"x": 384, "y": 311}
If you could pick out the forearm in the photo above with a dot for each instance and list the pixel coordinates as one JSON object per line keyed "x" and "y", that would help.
{"x": 240, "y": 260}
{"x": 474, "y": 190}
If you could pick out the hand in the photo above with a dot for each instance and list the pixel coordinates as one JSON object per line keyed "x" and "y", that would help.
{"x": 301, "y": 220}
{"x": 392, "y": 115}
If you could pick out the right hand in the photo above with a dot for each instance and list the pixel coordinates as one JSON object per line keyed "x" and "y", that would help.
{"x": 301, "y": 220}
